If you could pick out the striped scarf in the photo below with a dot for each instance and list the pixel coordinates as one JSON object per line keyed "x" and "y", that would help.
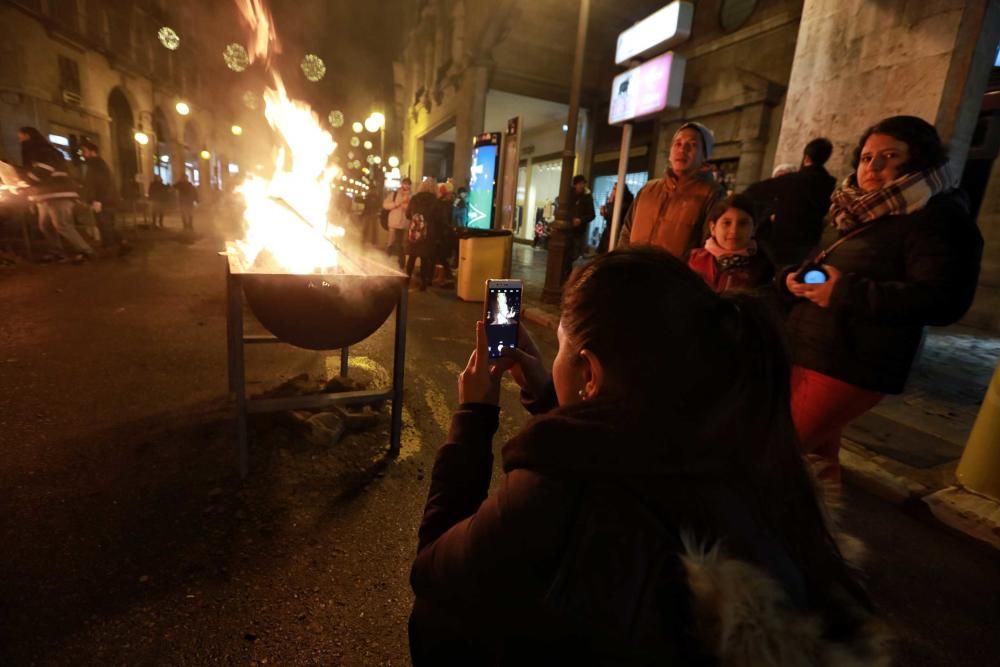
{"x": 851, "y": 206}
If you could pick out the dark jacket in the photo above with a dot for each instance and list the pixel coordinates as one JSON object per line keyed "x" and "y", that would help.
{"x": 607, "y": 212}
{"x": 901, "y": 274}
{"x": 792, "y": 208}
{"x": 187, "y": 194}
{"x": 99, "y": 184}
{"x": 581, "y": 206}
{"x": 589, "y": 551}
{"x": 755, "y": 273}
{"x": 47, "y": 173}
{"x": 159, "y": 193}
{"x": 426, "y": 205}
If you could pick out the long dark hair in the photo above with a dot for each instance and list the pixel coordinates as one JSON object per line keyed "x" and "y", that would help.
{"x": 925, "y": 147}
{"x": 716, "y": 371}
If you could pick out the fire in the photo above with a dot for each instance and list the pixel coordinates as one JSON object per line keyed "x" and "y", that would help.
{"x": 286, "y": 215}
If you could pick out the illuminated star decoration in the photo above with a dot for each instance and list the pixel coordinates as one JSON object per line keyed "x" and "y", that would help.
{"x": 355, "y": 142}
{"x": 250, "y": 100}
{"x": 313, "y": 67}
{"x": 169, "y": 38}
{"x": 336, "y": 119}
{"x": 236, "y": 57}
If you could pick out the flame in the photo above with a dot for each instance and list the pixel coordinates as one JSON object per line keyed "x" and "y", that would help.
{"x": 286, "y": 215}
{"x": 258, "y": 18}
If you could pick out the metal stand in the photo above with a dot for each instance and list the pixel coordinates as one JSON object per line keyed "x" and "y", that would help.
{"x": 236, "y": 341}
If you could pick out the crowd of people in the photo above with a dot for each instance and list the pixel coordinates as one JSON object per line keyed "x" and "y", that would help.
{"x": 64, "y": 195}
{"x": 667, "y": 504}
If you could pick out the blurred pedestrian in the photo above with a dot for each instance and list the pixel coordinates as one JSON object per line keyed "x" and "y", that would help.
{"x": 187, "y": 197}
{"x": 793, "y": 205}
{"x": 423, "y": 213}
{"x": 159, "y": 199}
{"x": 730, "y": 259}
{"x": 900, "y": 252}
{"x": 396, "y": 203}
{"x": 656, "y": 511}
{"x": 670, "y": 212}
{"x": 445, "y": 237}
{"x": 581, "y": 214}
{"x": 607, "y": 211}
{"x": 53, "y": 193}
{"x": 101, "y": 195}
{"x": 461, "y": 206}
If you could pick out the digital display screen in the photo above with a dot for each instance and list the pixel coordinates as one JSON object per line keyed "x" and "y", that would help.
{"x": 814, "y": 277}
{"x": 503, "y": 313}
{"x": 482, "y": 182}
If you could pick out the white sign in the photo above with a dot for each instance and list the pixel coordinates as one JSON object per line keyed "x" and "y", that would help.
{"x": 647, "y": 89}
{"x": 657, "y": 32}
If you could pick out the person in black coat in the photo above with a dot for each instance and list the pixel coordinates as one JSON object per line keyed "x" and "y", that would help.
{"x": 159, "y": 198}
{"x": 100, "y": 193}
{"x": 607, "y": 211}
{"x": 187, "y": 197}
{"x": 658, "y": 492}
{"x": 424, "y": 213}
{"x": 581, "y": 214}
{"x": 792, "y": 206}
{"x": 902, "y": 252}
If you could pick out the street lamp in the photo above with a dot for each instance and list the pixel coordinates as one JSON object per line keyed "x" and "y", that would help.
{"x": 357, "y": 126}
{"x": 375, "y": 122}
{"x": 141, "y": 138}
{"x": 393, "y": 161}
{"x": 205, "y": 155}
{"x": 183, "y": 108}
{"x": 236, "y": 130}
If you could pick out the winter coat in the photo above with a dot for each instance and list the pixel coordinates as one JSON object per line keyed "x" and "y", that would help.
{"x": 902, "y": 273}
{"x": 597, "y": 549}
{"x": 607, "y": 211}
{"x": 187, "y": 194}
{"x": 159, "y": 193}
{"x": 757, "y": 272}
{"x": 397, "y": 214}
{"x": 428, "y": 207}
{"x": 670, "y": 213}
{"x": 47, "y": 173}
{"x": 581, "y": 206}
{"x": 99, "y": 184}
{"x": 793, "y": 206}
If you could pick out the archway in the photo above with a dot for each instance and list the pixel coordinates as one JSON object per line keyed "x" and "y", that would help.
{"x": 164, "y": 140}
{"x": 123, "y": 143}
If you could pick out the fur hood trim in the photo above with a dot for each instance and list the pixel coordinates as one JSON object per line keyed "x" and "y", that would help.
{"x": 745, "y": 616}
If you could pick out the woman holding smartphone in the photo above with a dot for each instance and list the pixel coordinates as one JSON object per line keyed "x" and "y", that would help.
{"x": 900, "y": 252}
{"x": 656, "y": 511}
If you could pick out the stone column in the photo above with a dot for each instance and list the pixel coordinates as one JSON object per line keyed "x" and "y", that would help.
{"x": 471, "y": 117}
{"x": 857, "y": 62}
{"x": 753, "y": 129}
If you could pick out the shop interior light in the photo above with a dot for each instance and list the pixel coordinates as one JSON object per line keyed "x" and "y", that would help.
{"x": 183, "y": 108}
{"x": 205, "y": 155}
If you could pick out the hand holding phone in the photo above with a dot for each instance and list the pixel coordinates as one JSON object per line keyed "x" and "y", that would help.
{"x": 502, "y": 315}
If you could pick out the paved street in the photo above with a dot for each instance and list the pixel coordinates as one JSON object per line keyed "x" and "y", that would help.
{"x": 129, "y": 539}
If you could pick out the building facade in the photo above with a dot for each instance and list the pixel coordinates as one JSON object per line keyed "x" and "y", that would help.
{"x": 102, "y": 70}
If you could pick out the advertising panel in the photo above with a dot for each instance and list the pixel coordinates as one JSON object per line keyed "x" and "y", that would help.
{"x": 482, "y": 180}
{"x": 647, "y": 89}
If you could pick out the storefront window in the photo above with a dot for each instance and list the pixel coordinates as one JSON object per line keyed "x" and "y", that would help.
{"x": 601, "y": 190}
{"x": 542, "y": 194}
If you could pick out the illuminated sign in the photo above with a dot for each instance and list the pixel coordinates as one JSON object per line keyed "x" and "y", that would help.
{"x": 647, "y": 89}
{"x": 657, "y": 32}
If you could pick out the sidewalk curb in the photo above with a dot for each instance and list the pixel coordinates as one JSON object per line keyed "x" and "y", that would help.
{"x": 967, "y": 512}
{"x": 867, "y": 473}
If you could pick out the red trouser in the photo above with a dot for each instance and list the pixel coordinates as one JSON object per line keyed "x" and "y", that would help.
{"x": 821, "y": 407}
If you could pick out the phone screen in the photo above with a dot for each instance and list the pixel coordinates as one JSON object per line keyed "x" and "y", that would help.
{"x": 814, "y": 277}
{"x": 503, "y": 313}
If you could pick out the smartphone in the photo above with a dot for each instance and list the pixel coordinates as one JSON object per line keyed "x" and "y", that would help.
{"x": 502, "y": 314}
{"x": 812, "y": 274}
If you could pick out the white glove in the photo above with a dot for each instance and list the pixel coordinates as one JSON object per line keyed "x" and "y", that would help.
{"x": 96, "y": 206}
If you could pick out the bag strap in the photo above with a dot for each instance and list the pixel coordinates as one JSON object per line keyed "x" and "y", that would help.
{"x": 821, "y": 257}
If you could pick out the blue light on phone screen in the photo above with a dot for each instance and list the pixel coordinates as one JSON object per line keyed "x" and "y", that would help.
{"x": 814, "y": 277}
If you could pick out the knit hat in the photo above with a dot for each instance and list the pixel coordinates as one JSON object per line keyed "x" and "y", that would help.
{"x": 707, "y": 137}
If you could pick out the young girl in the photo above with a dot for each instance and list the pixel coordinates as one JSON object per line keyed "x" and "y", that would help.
{"x": 730, "y": 259}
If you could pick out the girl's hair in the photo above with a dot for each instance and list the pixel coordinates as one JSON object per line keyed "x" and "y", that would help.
{"x": 920, "y": 137}
{"x": 428, "y": 185}
{"x": 714, "y": 371}
{"x": 741, "y": 202}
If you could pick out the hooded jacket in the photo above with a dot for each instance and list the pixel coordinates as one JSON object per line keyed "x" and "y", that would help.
{"x": 670, "y": 213}
{"x": 599, "y": 547}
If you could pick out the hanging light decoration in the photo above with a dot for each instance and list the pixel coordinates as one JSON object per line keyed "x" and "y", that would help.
{"x": 357, "y": 126}
{"x": 250, "y": 100}
{"x": 370, "y": 159}
{"x": 350, "y": 155}
{"x": 355, "y": 142}
{"x": 393, "y": 161}
{"x": 182, "y": 108}
{"x": 377, "y": 160}
{"x": 313, "y": 67}
{"x": 168, "y": 38}
{"x": 336, "y": 119}
{"x": 236, "y": 57}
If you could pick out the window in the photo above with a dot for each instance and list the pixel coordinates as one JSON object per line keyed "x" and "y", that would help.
{"x": 69, "y": 75}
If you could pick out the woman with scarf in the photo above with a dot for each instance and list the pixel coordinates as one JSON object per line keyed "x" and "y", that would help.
{"x": 656, "y": 511}
{"x": 901, "y": 252}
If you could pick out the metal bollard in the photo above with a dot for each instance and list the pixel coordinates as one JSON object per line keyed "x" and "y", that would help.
{"x": 979, "y": 469}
